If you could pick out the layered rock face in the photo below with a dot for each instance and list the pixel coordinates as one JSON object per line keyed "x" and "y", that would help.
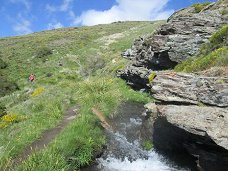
{"x": 184, "y": 88}
{"x": 191, "y": 115}
{"x": 177, "y": 40}
{"x": 191, "y": 111}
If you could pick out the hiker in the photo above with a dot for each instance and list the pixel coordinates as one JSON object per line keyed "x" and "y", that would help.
{"x": 32, "y": 77}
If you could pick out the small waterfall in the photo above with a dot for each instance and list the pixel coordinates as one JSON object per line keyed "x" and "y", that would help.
{"x": 124, "y": 150}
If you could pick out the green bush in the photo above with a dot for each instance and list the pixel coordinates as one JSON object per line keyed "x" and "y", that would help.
{"x": 6, "y": 87}
{"x": 43, "y": 52}
{"x": 224, "y": 12}
{"x": 151, "y": 77}
{"x": 147, "y": 145}
{"x": 220, "y": 37}
{"x": 2, "y": 63}
{"x": 199, "y": 7}
{"x": 92, "y": 64}
{"x": 217, "y": 40}
{"x": 2, "y": 110}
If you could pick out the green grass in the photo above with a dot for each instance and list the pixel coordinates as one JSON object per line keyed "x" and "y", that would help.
{"x": 64, "y": 86}
{"x": 224, "y": 12}
{"x": 214, "y": 53}
{"x": 199, "y": 7}
{"x": 147, "y": 145}
{"x": 216, "y": 58}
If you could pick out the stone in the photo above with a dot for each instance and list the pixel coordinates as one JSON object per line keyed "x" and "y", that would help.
{"x": 172, "y": 87}
{"x": 200, "y": 131}
{"x": 180, "y": 38}
{"x": 135, "y": 76}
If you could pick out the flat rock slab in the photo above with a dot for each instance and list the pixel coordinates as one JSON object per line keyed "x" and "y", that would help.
{"x": 204, "y": 121}
{"x": 184, "y": 88}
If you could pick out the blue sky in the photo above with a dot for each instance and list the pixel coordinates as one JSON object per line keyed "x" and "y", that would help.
{"x": 20, "y": 17}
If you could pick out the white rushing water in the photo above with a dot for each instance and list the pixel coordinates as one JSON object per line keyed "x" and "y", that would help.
{"x": 153, "y": 163}
{"x": 124, "y": 150}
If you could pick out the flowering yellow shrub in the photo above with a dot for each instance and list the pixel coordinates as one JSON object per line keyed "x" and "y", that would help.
{"x": 151, "y": 77}
{"x": 38, "y": 91}
{"x": 10, "y": 118}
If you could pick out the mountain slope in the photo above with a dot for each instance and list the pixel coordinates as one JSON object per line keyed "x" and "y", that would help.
{"x": 72, "y": 66}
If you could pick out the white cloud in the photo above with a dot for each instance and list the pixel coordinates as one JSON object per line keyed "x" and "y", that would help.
{"x": 125, "y": 10}
{"x": 54, "y": 25}
{"x": 50, "y": 8}
{"x": 65, "y": 6}
{"x": 26, "y": 3}
{"x": 22, "y": 27}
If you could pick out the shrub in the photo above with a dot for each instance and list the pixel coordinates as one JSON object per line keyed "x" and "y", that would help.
{"x": 38, "y": 91}
{"x": 6, "y": 87}
{"x": 91, "y": 65}
{"x": 220, "y": 36}
{"x": 151, "y": 77}
{"x": 2, "y": 63}
{"x": 147, "y": 145}
{"x": 2, "y": 110}
{"x": 217, "y": 40}
{"x": 224, "y": 12}
{"x": 43, "y": 52}
{"x": 10, "y": 118}
{"x": 199, "y": 7}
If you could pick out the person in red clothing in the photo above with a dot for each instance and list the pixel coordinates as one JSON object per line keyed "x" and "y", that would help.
{"x": 32, "y": 78}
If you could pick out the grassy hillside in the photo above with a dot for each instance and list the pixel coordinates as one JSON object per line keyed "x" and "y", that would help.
{"x": 72, "y": 66}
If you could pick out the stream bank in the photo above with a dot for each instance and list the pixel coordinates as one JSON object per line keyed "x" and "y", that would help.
{"x": 125, "y": 152}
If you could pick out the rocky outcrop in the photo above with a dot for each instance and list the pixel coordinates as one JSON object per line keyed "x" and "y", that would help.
{"x": 191, "y": 115}
{"x": 200, "y": 131}
{"x": 191, "y": 110}
{"x": 172, "y": 87}
{"x": 177, "y": 40}
{"x": 136, "y": 77}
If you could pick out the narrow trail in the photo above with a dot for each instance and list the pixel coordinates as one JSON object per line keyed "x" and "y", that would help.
{"x": 46, "y": 137}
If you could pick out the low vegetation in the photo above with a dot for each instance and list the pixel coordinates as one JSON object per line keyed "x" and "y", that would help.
{"x": 63, "y": 81}
{"x": 214, "y": 53}
{"x": 224, "y": 12}
{"x": 147, "y": 145}
{"x": 151, "y": 77}
{"x": 200, "y": 7}
{"x": 2, "y": 63}
{"x": 43, "y": 52}
{"x": 2, "y": 110}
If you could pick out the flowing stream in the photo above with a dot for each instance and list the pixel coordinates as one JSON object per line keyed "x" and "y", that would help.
{"x": 125, "y": 151}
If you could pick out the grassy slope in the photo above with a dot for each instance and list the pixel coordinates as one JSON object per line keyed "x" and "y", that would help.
{"x": 212, "y": 54}
{"x": 75, "y": 82}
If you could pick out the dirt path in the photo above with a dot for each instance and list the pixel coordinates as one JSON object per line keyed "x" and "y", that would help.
{"x": 46, "y": 137}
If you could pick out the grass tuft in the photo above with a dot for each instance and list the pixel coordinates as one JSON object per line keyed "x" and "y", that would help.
{"x": 200, "y": 7}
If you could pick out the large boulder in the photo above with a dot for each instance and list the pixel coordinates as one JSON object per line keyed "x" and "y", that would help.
{"x": 136, "y": 77}
{"x": 200, "y": 131}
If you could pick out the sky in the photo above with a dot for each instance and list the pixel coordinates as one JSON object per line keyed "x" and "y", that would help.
{"x": 19, "y": 17}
